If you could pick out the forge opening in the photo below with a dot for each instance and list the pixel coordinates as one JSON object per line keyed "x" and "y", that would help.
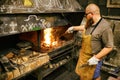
{"x": 49, "y": 38}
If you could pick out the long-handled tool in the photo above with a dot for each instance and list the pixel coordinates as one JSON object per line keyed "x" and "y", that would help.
{"x": 84, "y": 65}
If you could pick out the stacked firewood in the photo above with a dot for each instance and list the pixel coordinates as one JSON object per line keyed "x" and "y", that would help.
{"x": 13, "y": 66}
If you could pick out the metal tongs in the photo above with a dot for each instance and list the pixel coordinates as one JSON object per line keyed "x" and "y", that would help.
{"x": 84, "y": 65}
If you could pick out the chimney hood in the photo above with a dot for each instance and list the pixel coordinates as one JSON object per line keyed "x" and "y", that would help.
{"x": 39, "y": 6}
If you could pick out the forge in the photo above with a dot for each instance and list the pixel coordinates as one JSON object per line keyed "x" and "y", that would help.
{"x": 32, "y": 35}
{"x": 27, "y": 51}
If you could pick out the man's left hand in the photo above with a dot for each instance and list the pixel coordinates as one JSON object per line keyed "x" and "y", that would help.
{"x": 93, "y": 61}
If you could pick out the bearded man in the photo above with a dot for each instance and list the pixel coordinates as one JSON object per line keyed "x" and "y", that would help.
{"x": 97, "y": 42}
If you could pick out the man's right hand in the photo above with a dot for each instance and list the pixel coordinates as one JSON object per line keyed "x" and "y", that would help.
{"x": 70, "y": 30}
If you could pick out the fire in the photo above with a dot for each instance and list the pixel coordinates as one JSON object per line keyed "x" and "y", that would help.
{"x": 49, "y": 40}
{"x": 47, "y": 36}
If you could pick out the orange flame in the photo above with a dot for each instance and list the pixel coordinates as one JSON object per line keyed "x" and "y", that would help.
{"x": 49, "y": 39}
{"x": 47, "y": 36}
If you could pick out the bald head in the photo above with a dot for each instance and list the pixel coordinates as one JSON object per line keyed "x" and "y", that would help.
{"x": 93, "y": 8}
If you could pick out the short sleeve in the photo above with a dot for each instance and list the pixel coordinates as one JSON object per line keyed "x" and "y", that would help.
{"x": 107, "y": 37}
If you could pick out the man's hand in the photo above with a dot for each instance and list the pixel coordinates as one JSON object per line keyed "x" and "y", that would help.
{"x": 70, "y": 30}
{"x": 93, "y": 61}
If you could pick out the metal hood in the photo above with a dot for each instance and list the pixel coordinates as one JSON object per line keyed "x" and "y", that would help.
{"x": 39, "y": 6}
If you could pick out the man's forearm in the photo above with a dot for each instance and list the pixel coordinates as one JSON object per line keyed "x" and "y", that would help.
{"x": 78, "y": 28}
{"x": 103, "y": 52}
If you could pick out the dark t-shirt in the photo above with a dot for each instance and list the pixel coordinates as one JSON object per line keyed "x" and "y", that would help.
{"x": 102, "y": 36}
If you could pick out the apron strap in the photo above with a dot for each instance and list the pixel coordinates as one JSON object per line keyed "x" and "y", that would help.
{"x": 96, "y": 26}
{"x": 83, "y": 33}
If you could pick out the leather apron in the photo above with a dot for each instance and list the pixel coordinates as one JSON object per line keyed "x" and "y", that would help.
{"x": 85, "y": 72}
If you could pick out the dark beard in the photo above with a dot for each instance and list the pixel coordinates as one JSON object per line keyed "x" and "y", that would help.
{"x": 89, "y": 23}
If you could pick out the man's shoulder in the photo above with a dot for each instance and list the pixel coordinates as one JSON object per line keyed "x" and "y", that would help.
{"x": 105, "y": 24}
